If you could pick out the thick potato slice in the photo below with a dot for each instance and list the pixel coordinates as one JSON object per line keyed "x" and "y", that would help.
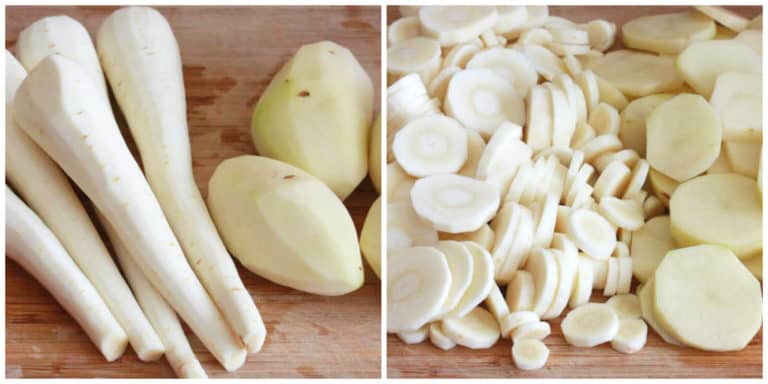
{"x": 662, "y": 185}
{"x": 638, "y": 74}
{"x": 707, "y": 299}
{"x": 703, "y": 61}
{"x": 669, "y": 33}
{"x": 722, "y": 209}
{"x": 738, "y": 98}
{"x": 683, "y": 136}
{"x": 645, "y": 294}
{"x": 632, "y": 120}
{"x": 724, "y": 16}
{"x": 649, "y": 245}
{"x": 743, "y": 157}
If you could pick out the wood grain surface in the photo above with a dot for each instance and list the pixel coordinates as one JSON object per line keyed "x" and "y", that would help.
{"x": 229, "y": 55}
{"x": 656, "y": 360}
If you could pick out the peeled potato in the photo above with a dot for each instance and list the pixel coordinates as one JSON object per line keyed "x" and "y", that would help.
{"x": 723, "y": 209}
{"x": 374, "y": 154}
{"x": 703, "y": 61}
{"x": 638, "y": 74}
{"x": 683, "y": 136}
{"x": 707, "y": 299}
{"x": 370, "y": 237}
{"x": 669, "y": 33}
{"x": 738, "y": 98}
{"x": 632, "y": 120}
{"x": 649, "y": 245}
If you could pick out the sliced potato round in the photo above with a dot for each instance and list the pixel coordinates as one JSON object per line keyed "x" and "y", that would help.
{"x": 477, "y": 329}
{"x": 650, "y": 243}
{"x": 703, "y": 61}
{"x": 738, "y": 98}
{"x": 668, "y": 33}
{"x": 590, "y": 324}
{"x": 481, "y": 100}
{"x": 706, "y": 298}
{"x": 638, "y": 74}
{"x": 724, "y": 16}
{"x": 633, "y": 117}
{"x": 743, "y": 157}
{"x": 723, "y": 209}
{"x": 683, "y": 136}
{"x": 662, "y": 185}
{"x": 647, "y": 306}
{"x": 418, "y": 281}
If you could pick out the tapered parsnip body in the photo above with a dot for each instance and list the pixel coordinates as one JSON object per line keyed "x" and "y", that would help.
{"x": 47, "y": 190}
{"x": 142, "y": 62}
{"x": 31, "y": 244}
{"x": 61, "y": 35}
{"x": 178, "y": 352}
{"x": 61, "y": 108}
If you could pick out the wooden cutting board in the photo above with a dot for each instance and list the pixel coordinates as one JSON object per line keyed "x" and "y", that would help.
{"x": 657, "y": 359}
{"x": 229, "y": 55}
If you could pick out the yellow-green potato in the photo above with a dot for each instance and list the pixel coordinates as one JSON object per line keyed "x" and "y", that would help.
{"x": 285, "y": 225}
{"x": 370, "y": 237}
{"x": 722, "y": 208}
{"x": 638, "y": 74}
{"x": 316, "y": 114}
{"x": 703, "y": 61}
{"x": 374, "y": 160}
{"x": 632, "y": 129}
{"x": 668, "y": 33}
{"x": 662, "y": 185}
{"x": 707, "y": 299}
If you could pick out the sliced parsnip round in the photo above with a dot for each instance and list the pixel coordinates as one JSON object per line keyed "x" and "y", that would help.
{"x": 405, "y": 228}
{"x": 396, "y": 176}
{"x": 477, "y": 329}
{"x": 662, "y": 185}
{"x": 504, "y": 152}
{"x": 683, "y": 136}
{"x": 638, "y": 74}
{"x": 706, "y": 298}
{"x": 483, "y": 237}
{"x": 590, "y": 325}
{"x": 567, "y": 257}
{"x": 626, "y": 306}
{"x": 453, "y": 25}
{"x": 460, "y": 264}
{"x": 702, "y": 61}
{"x": 610, "y": 94}
{"x": 647, "y": 306}
{"x": 418, "y": 281}
{"x": 511, "y": 17}
{"x": 540, "y": 117}
{"x": 529, "y": 354}
{"x": 481, "y": 100}
{"x": 573, "y": 65}
{"x": 521, "y": 246}
{"x": 521, "y": 292}
{"x": 514, "y": 320}
{"x": 509, "y": 64}
{"x": 475, "y": 149}
{"x": 582, "y": 134}
{"x": 627, "y": 156}
{"x": 482, "y": 281}
{"x": 496, "y": 304}
{"x": 582, "y": 285}
{"x": 724, "y": 16}
{"x": 622, "y": 213}
{"x": 505, "y": 223}
{"x": 460, "y": 54}
{"x": 537, "y": 330}
{"x": 587, "y": 81}
{"x": 431, "y": 145}
{"x": 562, "y": 49}
{"x": 419, "y": 55}
{"x": 535, "y": 36}
{"x": 625, "y": 237}
{"x": 650, "y": 243}
{"x": 600, "y": 145}
{"x": 403, "y": 29}
{"x": 631, "y": 336}
{"x": 414, "y": 337}
{"x": 543, "y": 268}
{"x": 612, "y": 278}
{"x": 602, "y": 34}
{"x": 737, "y": 97}
{"x": 591, "y": 233}
{"x": 547, "y": 64}
{"x": 613, "y": 180}
{"x": 637, "y": 181}
{"x": 668, "y": 33}
{"x": 438, "y": 338}
{"x": 564, "y": 120}
{"x": 454, "y": 203}
{"x": 547, "y": 215}
{"x": 723, "y": 209}
{"x": 439, "y": 84}
{"x": 625, "y": 275}
{"x": 604, "y": 118}
{"x": 633, "y": 117}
